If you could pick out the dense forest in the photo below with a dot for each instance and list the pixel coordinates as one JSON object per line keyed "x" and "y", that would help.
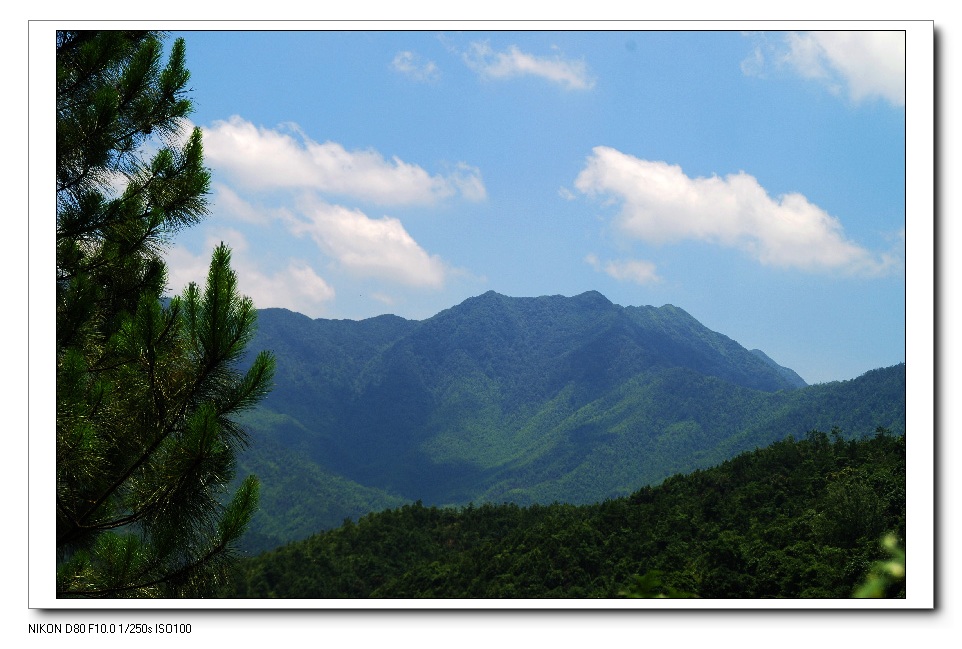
{"x": 801, "y": 518}
{"x": 523, "y": 400}
{"x": 300, "y": 495}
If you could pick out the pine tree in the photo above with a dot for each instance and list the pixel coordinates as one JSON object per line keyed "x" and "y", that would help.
{"x": 147, "y": 388}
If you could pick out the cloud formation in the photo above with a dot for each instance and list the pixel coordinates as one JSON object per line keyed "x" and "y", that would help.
{"x": 368, "y": 247}
{"x": 414, "y": 66}
{"x": 638, "y": 271}
{"x": 272, "y": 188}
{"x": 868, "y": 64}
{"x": 296, "y": 285}
{"x": 264, "y": 159}
{"x": 569, "y": 74}
{"x": 660, "y": 204}
{"x": 230, "y": 202}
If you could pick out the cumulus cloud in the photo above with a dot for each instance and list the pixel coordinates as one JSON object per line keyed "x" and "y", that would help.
{"x": 368, "y": 247}
{"x": 264, "y": 159}
{"x": 638, "y": 271}
{"x": 468, "y": 181}
{"x": 660, "y": 204}
{"x": 569, "y": 74}
{"x": 298, "y": 285}
{"x": 226, "y": 200}
{"x": 866, "y": 64}
{"x": 416, "y": 67}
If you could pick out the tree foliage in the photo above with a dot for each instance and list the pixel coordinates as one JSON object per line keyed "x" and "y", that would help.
{"x": 146, "y": 391}
{"x": 886, "y": 578}
{"x": 762, "y": 525}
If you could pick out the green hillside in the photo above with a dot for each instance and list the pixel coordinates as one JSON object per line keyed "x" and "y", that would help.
{"x": 798, "y": 519}
{"x": 527, "y": 400}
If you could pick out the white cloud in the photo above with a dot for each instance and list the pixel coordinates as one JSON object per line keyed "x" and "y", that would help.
{"x": 184, "y": 268}
{"x": 297, "y": 286}
{"x": 638, "y": 271}
{"x": 871, "y": 63}
{"x": 413, "y": 65}
{"x": 264, "y": 159}
{"x": 384, "y": 298}
{"x": 754, "y": 65}
{"x": 868, "y": 64}
{"x": 468, "y": 181}
{"x": 512, "y": 62}
{"x": 226, "y": 201}
{"x": 308, "y": 283}
{"x": 368, "y": 247}
{"x": 660, "y": 204}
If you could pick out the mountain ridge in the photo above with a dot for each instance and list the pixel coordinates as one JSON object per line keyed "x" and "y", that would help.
{"x": 526, "y": 400}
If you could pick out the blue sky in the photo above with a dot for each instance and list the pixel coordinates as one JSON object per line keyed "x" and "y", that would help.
{"x": 756, "y": 180}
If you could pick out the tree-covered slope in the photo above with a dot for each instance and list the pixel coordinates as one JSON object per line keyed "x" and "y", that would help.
{"x": 798, "y": 519}
{"x": 531, "y": 400}
{"x": 677, "y": 420}
{"x": 298, "y": 497}
{"x": 786, "y": 372}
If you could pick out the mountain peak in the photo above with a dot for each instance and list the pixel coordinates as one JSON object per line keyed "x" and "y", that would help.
{"x": 592, "y": 298}
{"x": 587, "y": 298}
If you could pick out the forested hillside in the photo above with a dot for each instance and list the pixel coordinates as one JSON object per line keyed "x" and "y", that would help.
{"x": 801, "y": 518}
{"x": 527, "y": 400}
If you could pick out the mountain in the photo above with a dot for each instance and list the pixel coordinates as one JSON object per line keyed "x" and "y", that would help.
{"x": 526, "y": 400}
{"x": 796, "y": 519}
{"x": 786, "y": 372}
